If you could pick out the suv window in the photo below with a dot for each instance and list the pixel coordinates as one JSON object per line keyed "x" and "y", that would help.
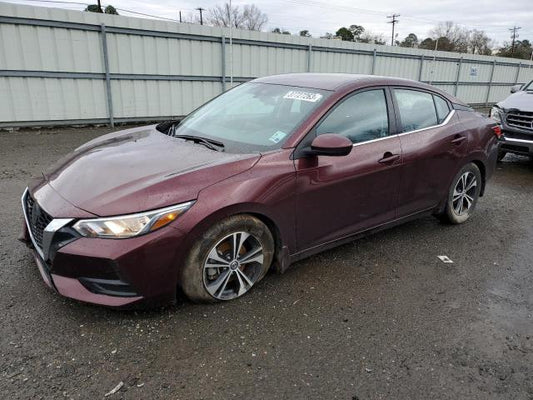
{"x": 443, "y": 109}
{"x": 417, "y": 109}
{"x": 361, "y": 117}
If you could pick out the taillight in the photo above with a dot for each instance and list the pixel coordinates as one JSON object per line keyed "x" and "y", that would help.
{"x": 497, "y": 131}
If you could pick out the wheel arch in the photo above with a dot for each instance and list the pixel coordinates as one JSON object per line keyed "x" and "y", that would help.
{"x": 483, "y": 170}
{"x": 280, "y": 261}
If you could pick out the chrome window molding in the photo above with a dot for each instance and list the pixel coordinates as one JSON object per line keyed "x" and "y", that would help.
{"x": 376, "y": 140}
{"x": 445, "y": 122}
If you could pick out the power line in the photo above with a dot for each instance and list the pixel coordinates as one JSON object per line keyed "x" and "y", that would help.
{"x": 393, "y": 21}
{"x": 514, "y": 35}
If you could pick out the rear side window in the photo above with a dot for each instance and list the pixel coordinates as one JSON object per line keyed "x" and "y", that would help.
{"x": 443, "y": 109}
{"x": 361, "y": 117}
{"x": 417, "y": 110}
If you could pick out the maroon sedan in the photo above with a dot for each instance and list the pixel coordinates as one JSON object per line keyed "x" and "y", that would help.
{"x": 272, "y": 171}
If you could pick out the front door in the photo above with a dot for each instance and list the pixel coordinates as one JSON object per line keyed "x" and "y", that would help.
{"x": 339, "y": 196}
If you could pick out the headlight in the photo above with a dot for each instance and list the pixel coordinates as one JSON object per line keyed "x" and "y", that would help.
{"x": 126, "y": 226}
{"x": 496, "y": 114}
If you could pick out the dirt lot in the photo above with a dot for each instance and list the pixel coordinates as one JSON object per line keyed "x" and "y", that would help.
{"x": 381, "y": 318}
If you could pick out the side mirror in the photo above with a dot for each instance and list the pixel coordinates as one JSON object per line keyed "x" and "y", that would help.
{"x": 331, "y": 144}
{"x": 516, "y": 88}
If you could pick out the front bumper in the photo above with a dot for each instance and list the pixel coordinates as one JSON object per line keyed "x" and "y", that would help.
{"x": 516, "y": 143}
{"x": 110, "y": 272}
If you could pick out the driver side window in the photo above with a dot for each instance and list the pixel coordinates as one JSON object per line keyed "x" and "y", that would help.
{"x": 361, "y": 117}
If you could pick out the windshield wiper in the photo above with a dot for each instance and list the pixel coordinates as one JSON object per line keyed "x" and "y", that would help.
{"x": 209, "y": 143}
{"x": 165, "y": 126}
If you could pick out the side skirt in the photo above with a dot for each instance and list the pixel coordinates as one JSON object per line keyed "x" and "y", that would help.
{"x": 350, "y": 238}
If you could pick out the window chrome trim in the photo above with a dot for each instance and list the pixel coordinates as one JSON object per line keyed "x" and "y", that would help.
{"x": 445, "y": 122}
{"x": 376, "y": 140}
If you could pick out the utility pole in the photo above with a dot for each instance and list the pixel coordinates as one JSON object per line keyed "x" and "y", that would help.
{"x": 180, "y": 17}
{"x": 100, "y": 7}
{"x": 201, "y": 17}
{"x": 393, "y": 21}
{"x": 514, "y": 36}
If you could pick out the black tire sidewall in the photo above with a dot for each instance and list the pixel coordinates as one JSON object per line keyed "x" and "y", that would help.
{"x": 191, "y": 277}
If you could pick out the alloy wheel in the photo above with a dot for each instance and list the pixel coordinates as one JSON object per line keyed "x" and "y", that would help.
{"x": 464, "y": 193}
{"x": 233, "y": 266}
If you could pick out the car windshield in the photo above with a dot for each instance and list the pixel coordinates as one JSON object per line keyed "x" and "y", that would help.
{"x": 529, "y": 87}
{"x": 253, "y": 117}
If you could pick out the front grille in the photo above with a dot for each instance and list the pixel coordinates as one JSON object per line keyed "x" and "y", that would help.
{"x": 38, "y": 219}
{"x": 520, "y": 119}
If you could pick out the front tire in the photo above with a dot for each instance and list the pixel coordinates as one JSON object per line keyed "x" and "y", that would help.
{"x": 228, "y": 260}
{"x": 463, "y": 195}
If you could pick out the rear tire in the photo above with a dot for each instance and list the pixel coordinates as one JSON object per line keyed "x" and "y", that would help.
{"x": 229, "y": 258}
{"x": 462, "y": 195}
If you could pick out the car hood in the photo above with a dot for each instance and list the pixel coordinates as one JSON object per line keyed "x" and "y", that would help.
{"x": 140, "y": 169}
{"x": 522, "y": 101}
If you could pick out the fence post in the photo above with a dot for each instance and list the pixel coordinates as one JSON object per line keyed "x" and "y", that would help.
{"x": 309, "y": 53}
{"x": 223, "y": 72}
{"x": 458, "y": 76}
{"x": 107, "y": 77}
{"x": 420, "y": 68}
{"x": 374, "y": 55}
{"x": 517, "y": 72}
{"x": 490, "y": 83}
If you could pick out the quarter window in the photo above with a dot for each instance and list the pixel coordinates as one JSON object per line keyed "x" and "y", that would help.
{"x": 443, "y": 109}
{"x": 360, "y": 117}
{"x": 417, "y": 110}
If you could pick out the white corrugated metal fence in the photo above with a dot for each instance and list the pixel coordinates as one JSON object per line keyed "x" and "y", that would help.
{"x": 67, "y": 67}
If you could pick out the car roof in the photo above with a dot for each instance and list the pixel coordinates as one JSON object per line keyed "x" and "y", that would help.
{"x": 336, "y": 82}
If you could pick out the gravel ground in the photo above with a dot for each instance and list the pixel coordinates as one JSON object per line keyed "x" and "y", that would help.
{"x": 380, "y": 318}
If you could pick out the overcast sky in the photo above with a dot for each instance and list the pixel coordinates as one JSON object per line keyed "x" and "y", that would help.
{"x": 495, "y": 17}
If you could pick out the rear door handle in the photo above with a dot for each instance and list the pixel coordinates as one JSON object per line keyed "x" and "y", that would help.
{"x": 458, "y": 140}
{"x": 389, "y": 158}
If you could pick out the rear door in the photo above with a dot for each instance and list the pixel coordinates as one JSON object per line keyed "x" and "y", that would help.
{"x": 433, "y": 148}
{"x": 338, "y": 196}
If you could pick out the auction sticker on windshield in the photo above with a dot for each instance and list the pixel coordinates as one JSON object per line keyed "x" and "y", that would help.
{"x": 277, "y": 137}
{"x": 304, "y": 96}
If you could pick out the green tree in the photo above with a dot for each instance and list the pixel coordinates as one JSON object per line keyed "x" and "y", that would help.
{"x": 357, "y": 31}
{"x": 111, "y": 10}
{"x": 280, "y": 31}
{"x": 305, "y": 33}
{"x": 410, "y": 40}
{"x": 427, "y": 43}
{"x": 345, "y": 34}
{"x": 96, "y": 9}
{"x": 522, "y": 49}
{"x": 442, "y": 43}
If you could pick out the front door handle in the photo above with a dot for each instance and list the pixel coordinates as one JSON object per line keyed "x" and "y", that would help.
{"x": 458, "y": 139}
{"x": 389, "y": 158}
